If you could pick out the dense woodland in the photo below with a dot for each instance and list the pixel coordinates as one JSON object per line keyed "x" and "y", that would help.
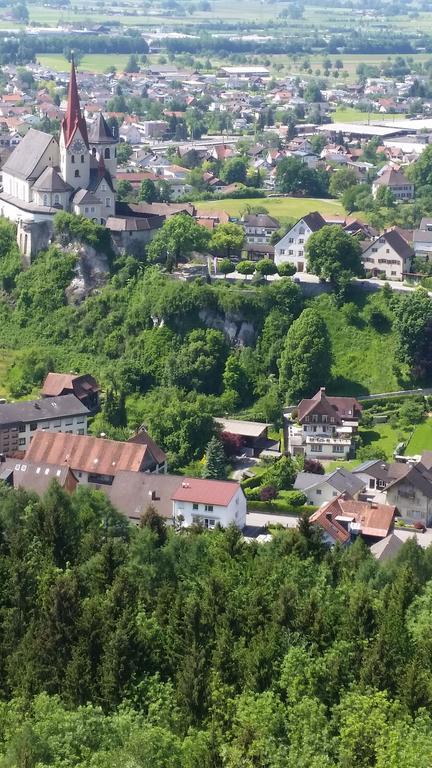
{"x": 149, "y": 648}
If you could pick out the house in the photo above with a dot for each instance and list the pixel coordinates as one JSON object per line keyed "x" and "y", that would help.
{"x": 93, "y": 460}
{"x": 326, "y": 427}
{"x": 376, "y": 475}
{"x": 422, "y": 239}
{"x": 20, "y": 421}
{"x": 84, "y": 387}
{"x": 401, "y": 187}
{"x": 292, "y": 247}
{"x": 412, "y": 493}
{"x": 322, "y": 488}
{"x": 259, "y": 227}
{"x": 258, "y": 251}
{"x": 252, "y": 435}
{"x": 390, "y": 255}
{"x": 209, "y": 503}
{"x": 343, "y": 518}
{"x": 36, "y": 477}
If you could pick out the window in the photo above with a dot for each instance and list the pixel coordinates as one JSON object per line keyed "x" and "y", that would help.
{"x": 81, "y": 432}
{"x": 82, "y": 158}
{"x": 208, "y": 507}
{"x": 77, "y": 173}
{"x": 316, "y": 448}
{"x": 72, "y": 159}
{"x": 45, "y": 199}
{"x": 371, "y": 482}
{"x": 338, "y": 449}
{"x": 107, "y": 154}
{"x": 195, "y": 506}
{"x": 33, "y": 426}
{"x": 22, "y": 441}
{"x": 107, "y": 202}
{"x": 318, "y": 492}
{"x": 56, "y": 199}
{"x": 22, "y": 428}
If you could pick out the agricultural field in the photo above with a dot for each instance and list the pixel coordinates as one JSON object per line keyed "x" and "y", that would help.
{"x": 93, "y": 62}
{"x": 279, "y": 207}
{"x": 351, "y": 115}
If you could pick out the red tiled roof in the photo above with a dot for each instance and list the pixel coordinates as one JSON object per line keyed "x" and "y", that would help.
{"x": 73, "y": 118}
{"x": 372, "y": 519}
{"x": 86, "y": 453}
{"x": 200, "y": 491}
{"x": 343, "y": 407}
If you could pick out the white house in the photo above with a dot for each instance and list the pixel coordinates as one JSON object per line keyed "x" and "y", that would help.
{"x": 401, "y": 187}
{"x": 322, "y": 488}
{"x": 388, "y": 254}
{"x": 326, "y": 427}
{"x": 292, "y": 247}
{"x": 209, "y": 503}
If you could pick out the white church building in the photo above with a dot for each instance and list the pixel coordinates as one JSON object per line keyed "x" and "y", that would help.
{"x": 76, "y": 174}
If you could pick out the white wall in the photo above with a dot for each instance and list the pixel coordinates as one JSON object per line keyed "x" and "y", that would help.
{"x": 380, "y": 256}
{"x": 235, "y": 512}
{"x": 77, "y": 425}
{"x": 292, "y": 247}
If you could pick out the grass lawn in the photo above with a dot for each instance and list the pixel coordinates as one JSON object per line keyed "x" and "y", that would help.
{"x": 362, "y": 356}
{"x": 93, "y": 62}
{"x": 279, "y": 207}
{"x": 384, "y": 436}
{"x": 421, "y": 439}
{"x": 351, "y": 115}
{"x": 331, "y": 466}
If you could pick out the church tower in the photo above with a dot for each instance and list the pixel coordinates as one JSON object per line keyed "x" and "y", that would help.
{"x": 74, "y": 145}
{"x": 103, "y": 145}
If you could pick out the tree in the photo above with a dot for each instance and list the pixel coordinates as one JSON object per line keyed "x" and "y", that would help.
{"x": 124, "y": 152}
{"x": 312, "y": 92}
{"x": 226, "y": 267}
{"x": 286, "y": 269}
{"x": 148, "y": 192}
{"x": 333, "y": 254}
{"x": 151, "y": 519}
{"x": 236, "y": 381}
{"x": 420, "y": 172}
{"x": 227, "y": 238}
{"x": 266, "y": 267}
{"x": 385, "y": 197}
{"x": 413, "y": 325}
{"x": 124, "y": 189}
{"x": 245, "y": 268}
{"x": 234, "y": 170}
{"x": 177, "y": 238}
{"x": 132, "y": 64}
{"x": 214, "y": 468}
{"x": 293, "y": 176}
{"x": 341, "y": 180}
{"x": 306, "y": 356}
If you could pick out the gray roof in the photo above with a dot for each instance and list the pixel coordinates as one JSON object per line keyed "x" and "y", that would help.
{"x": 35, "y": 477}
{"x": 99, "y": 131}
{"x": 423, "y": 236}
{"x": 341, "y": 479}
{"x": 51, "y": 181}
{"x": 260, "y": 220}
{"x": 27, "y": 154}
{"x": 84, "y": 196}
{"x": 132, "y": 492}
{"x": 46, "y": 408}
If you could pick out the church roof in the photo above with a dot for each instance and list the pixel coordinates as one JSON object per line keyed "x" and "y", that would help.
{"x": 100, "y": 132}
{"x": 25, "y": 157}
{"x": 85, "y": 197}
{"x": 73, "y": 118}
{"x": 51, "y": 181}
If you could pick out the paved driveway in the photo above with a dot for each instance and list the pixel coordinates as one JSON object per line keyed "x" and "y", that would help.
{"x": 257, "y": 521}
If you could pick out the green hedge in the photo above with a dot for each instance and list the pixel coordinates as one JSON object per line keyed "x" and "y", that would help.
{"x": 280, "y": 507}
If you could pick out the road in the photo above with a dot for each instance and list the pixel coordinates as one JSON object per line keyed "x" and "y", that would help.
{"x": 311, "y": 284}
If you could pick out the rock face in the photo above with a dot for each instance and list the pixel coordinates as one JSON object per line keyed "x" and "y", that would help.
{"x": 236, "y": 329}
{"x": 91, "y": 272}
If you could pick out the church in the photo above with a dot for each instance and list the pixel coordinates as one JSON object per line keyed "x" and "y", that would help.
{"x": 76, "y": 174}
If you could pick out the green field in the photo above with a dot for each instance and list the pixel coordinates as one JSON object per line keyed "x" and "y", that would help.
{"x": 93, "y": 62}
{"x": 279, "y": 207}
{"x": 351, "y": 115}
{"x": 421, "y": 439}
{"x": 362, "y": 356}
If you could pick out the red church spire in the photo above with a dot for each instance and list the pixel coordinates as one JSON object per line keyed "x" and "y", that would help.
{"x": 73, "y": 118}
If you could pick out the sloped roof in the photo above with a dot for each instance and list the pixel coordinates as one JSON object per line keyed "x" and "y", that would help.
{"x": 260, "y": 220}
{"x": 314, "y": 221}
{"x": 37, "y": 477}
{"x": 86, "y": 453}
{"x": 51, "y": 181}
{"x": 342, "y": 407}
{"x": 85, "y": 197}
{"x": 40, "y": 410}
{"x": 26, "y": 155}
{"x": 201, "y": 491}
{"x": 391, "y": 178}
{"x": 371, "y": 519}
{"x": 418, "y": 476}
{"x": 99, "y": 131}
{"x": 132, "y": 492}
{"x": 56, "y": 383}
{"x": 73, "y": 118}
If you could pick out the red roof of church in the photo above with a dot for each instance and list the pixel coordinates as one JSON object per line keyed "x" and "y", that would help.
{"x": 73, "y": 118}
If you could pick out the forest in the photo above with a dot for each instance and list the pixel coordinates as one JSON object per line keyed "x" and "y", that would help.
{"x": 147, "y": 648}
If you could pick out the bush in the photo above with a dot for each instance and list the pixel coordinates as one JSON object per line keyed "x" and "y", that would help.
{"x": 268, "y": 493}
{"x": 295, "y": 498}
{"x": 251, "y": 482}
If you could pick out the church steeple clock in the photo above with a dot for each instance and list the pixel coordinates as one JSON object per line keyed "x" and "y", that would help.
{"x": 74, "y": 145}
